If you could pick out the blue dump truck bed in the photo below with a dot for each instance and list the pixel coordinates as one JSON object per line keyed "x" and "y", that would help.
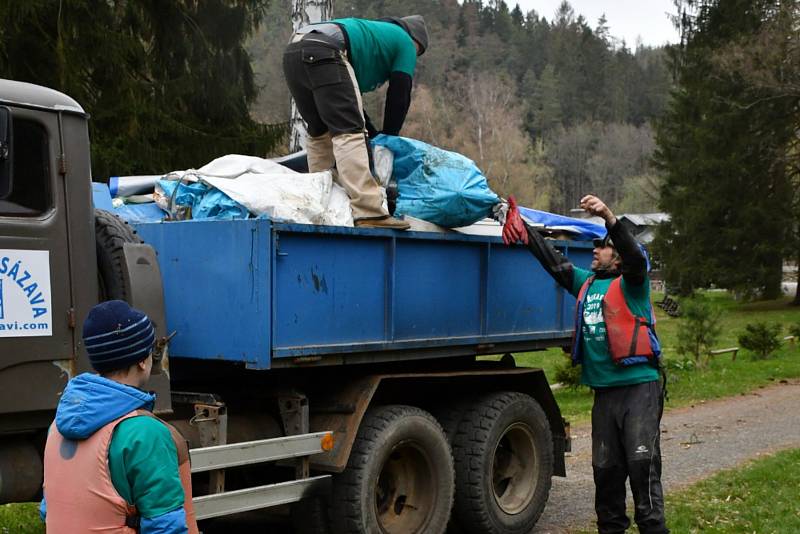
{"x": 270, "y": 295}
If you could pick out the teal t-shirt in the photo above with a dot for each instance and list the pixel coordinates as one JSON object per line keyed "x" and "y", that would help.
{"x": 144, "y": 466}
{"x": 598, "y": 370}
{"x": 377, "y": 49}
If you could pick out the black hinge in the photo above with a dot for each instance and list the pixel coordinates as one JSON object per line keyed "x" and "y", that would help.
{"x": 71, "y": 317}
{"x": 62, "y": 165}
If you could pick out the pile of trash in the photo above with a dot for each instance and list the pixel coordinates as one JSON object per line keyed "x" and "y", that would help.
{"x": 425, "y": 182}
{"x": 233, "y": 187}
{"x": 435, "y": 185}
{"x": 435, "y": 189}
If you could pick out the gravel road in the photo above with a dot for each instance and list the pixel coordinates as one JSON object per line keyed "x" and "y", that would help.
{"x": 696, "y": 442}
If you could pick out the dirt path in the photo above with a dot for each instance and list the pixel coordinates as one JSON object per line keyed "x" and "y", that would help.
{"x": 696, "y": 442}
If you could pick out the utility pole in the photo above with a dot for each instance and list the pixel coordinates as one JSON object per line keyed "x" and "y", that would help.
{"x": 305, "y": 12}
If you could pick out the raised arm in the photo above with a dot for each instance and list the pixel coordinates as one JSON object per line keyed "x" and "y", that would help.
{"x": 633, "y": 264}
{"x": 556, "y": 264}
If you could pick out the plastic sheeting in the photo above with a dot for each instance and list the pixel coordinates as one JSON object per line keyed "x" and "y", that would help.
{"x": 438, "y": 186}
{"x": 125, "y": 186}
{"x": 205, "y": 202}
{"x": 141, "y": 213}
{"x": 268, "y": 189}
{"x": 583, "y": 230}
{"x": 235, "y": 186}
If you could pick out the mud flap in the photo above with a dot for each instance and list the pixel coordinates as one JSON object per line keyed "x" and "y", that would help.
{"x": 143, "y": 283}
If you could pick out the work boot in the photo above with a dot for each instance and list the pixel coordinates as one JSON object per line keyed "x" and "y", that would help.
{"x": 352, "y": 164}
{"x": 319, "y": 152}
{"x": 383, "y": 222}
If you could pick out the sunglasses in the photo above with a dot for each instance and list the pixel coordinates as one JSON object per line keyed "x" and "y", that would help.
{"x": 602, "y": 243}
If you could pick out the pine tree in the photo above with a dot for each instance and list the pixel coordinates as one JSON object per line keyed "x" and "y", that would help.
{"x": 725, "y": 187}
{"x": 545, "y": 108}
{"x": 168, "y": 84}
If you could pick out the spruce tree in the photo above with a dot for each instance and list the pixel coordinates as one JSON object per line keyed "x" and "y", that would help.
{"x": 728, "y": 199}
{"x": 168, "y": 84}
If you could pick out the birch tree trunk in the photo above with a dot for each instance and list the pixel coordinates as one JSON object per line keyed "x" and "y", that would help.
{"x": 305, "y": 12}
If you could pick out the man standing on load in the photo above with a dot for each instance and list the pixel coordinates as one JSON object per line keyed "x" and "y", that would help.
{"x": 616, "y": 343}
{"x": 110, "y": 465}
{"x": 327, "y": 67}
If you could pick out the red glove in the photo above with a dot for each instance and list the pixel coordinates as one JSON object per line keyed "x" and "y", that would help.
{"x": 514, "y": 229}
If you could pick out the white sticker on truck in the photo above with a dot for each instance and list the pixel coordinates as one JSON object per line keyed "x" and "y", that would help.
{"x": 26, "y": 308}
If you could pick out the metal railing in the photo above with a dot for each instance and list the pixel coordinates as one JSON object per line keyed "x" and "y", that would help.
{"x": 254, "y": 452}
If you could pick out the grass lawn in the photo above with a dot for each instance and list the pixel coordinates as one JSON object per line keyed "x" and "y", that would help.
{"x": 759, "y": 497}
{"x": 20, "y": 519}
{"x": 722, "y": 378}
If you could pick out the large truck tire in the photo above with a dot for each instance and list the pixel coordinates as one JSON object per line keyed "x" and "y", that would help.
{"x": 399, "y": 477}
{"x": 111, "y": 233}
{"x": 449, "y": 414}
{"x": 503, "y": 453}
{"x": 310, "y": 516}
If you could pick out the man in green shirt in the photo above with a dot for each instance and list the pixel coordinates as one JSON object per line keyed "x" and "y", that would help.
{"x": 616, "y": 344}
{"x": 327, "y": 67}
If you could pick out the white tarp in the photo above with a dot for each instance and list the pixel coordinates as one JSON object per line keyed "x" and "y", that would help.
{"x": 268, "y": 188}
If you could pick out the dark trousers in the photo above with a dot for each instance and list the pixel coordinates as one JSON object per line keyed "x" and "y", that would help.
{"x": 626, "y": 445}
{"x": 325, "y": 94}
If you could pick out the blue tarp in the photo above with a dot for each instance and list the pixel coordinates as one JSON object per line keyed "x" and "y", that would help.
{"x": 438, "y": 186}
{"x": 583, "y": 229}
{"x": 101, "y": 197}
{"x": 141, "y": 213}
{"x": 206, "y": 202}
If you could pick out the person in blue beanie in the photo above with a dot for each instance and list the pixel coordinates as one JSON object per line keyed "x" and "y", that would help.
{"x": 109, "y": 463}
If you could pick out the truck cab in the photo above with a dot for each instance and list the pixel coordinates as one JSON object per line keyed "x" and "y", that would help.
{"x": 48, "y": 273}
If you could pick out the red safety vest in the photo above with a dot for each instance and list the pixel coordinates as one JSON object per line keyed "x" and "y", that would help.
{"x": 631, "y": 339}
{"x": 78, "y": 489}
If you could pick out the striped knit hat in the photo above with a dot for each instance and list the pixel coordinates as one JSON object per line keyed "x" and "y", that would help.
{"x": 117, "y": 336}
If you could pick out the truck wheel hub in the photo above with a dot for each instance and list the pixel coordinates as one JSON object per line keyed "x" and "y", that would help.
{"x": 404, "y": 494}
{"x": 514, "y": 469}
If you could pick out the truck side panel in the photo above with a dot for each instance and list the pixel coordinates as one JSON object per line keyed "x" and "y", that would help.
{"x": 289, "y": 291}
{"x": 217, "y": 292}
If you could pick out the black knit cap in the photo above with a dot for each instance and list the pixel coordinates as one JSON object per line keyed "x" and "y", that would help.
{"x": 117, "y": 336}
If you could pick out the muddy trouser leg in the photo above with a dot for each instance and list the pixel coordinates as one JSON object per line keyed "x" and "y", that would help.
{"x": 609, "y": 464}
{"x": 319, "y": 152}
{"x": 327, "y": 96}
{"x": 642, "y": 441}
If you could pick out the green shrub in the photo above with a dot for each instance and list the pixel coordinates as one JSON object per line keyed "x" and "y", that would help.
{"x": 761, "y": 338}
{"x": 795, "y": 330}
{"x": 686, "y": 364}
{"x": 567, "y": 374}
{"x": 700, "y": 328}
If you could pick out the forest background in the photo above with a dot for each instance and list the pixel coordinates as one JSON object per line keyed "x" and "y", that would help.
{"x": 549, "y": 105}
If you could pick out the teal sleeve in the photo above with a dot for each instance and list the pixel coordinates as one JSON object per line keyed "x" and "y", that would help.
{"x": 144, "y": 466}
{"x": 579, "y": 276}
